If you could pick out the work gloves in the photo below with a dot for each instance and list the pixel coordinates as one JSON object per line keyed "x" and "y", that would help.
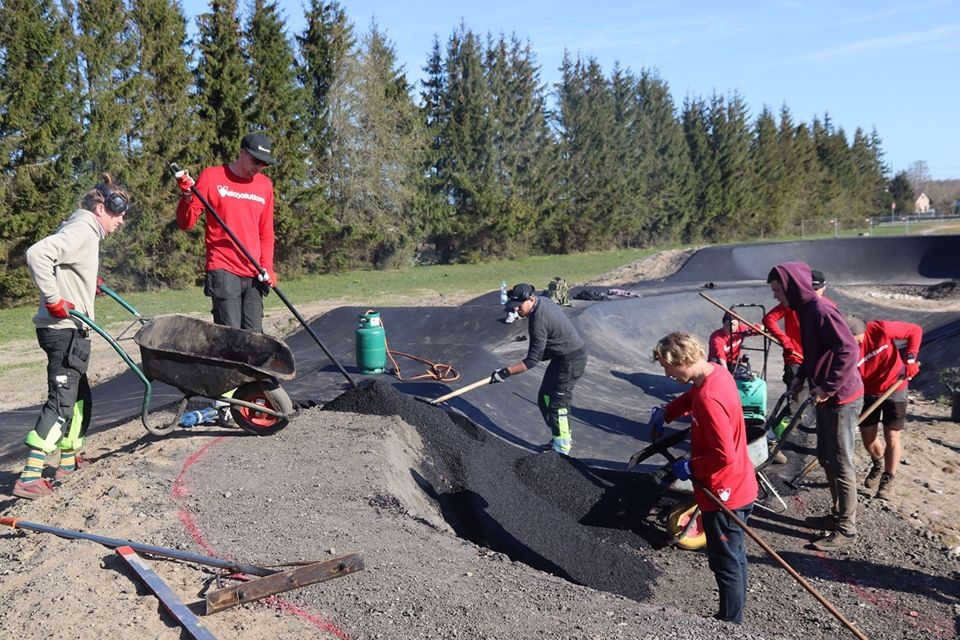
{"x": 185, "y": 182}
{"x": 60, "y": 309}
{"x": 499, "y": 375}
{"x": 266, "y": 278}
{"x": 657, "y": 417}
{"x": 912, "y": 366}
{"x": 99, "y": 282}
{"x": 681, "y": 469}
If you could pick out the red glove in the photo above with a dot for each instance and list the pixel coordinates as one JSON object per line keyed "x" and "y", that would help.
{"x": 912, "y": 369}
{"x": 185, "y": 182}
{"x": 99, "y": 282}
{"x": 60, "y": 309}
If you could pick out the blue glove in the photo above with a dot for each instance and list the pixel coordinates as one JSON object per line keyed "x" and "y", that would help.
{"x": 499, "y": 375}
{"x": 681, "y": 469}
{"x": 657, "y": 417}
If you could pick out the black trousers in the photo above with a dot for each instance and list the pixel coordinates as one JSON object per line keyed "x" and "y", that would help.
{"x": 237, "y": 301}
{"x": 68, "y": 354}
{"x": 556, "y": 390}
{"x": 727, "y": 558}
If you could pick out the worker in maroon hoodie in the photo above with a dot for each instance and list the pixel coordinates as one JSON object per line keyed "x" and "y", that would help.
{"x": 830, "y": 356}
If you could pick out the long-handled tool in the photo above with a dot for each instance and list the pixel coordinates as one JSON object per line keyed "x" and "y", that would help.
{"x": 462, "y": 390}
{"x": 741, "y": 319}
{"x": 793, "y": 482}
{"x": 114, "y": 543}
{"x": 773, "y": 554}
{"x": 256, "y": 265}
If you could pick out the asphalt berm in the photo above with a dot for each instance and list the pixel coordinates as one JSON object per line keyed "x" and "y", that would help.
{"x": 548, "y": 511}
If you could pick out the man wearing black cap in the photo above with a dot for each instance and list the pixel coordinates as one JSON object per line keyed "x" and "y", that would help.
{"x": 243, "y": 198}
{"x": 554, "y": 338}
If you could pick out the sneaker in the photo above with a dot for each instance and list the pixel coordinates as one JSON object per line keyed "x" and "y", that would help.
{"x": 33, "y": 488}
{"x": 873, "y": 476}
{"x": 821, "y": 523}
{"x": 886, "y": 485}
{"x": 63, "y": 473}
{"x": 834, "y": 541}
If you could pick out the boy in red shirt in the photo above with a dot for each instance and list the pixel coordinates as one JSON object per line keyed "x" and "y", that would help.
{"x": 881, "y": 367}
{"x": 718, "y": 460}
{"x": 725, "y": 344}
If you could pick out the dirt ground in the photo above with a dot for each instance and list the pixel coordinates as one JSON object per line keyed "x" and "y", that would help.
{"x": 334, "y": 483}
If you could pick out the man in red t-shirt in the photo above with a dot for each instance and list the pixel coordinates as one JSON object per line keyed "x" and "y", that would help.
{"x": 881, "y": 368}
{"x": 718, "y": 460}
{"x": 725, "y": 344}
{"x": 243, "y": 198}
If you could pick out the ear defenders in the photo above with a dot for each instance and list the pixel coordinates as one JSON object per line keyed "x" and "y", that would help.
{"x": 115, "y": 203}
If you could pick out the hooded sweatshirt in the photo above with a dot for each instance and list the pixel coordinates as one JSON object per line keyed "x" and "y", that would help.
{"x": 830, "y": 352}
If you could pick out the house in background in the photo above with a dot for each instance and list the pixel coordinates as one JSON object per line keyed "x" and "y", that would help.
{"x": 921, "y": 205}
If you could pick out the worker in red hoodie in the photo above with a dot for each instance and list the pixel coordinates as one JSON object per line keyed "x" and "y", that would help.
{"x": 881, "y": 368}
{"x": 718, "y": 460}
{"x": 830, "y": 356}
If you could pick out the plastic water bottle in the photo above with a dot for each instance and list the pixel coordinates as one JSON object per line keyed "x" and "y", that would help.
{"x": 503, "y": 292}
{"x": 201, "y": 416}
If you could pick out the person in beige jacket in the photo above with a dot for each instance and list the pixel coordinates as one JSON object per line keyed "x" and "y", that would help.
{"x": 64, "y": 267}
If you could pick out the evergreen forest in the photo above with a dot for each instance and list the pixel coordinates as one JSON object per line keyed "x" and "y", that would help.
{"x": 478, "y": 160}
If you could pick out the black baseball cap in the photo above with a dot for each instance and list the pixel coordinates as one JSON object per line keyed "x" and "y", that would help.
{"x": 257, "y": 145}
{"x": 518, "y": 294}
{"x": 818, "y": 280}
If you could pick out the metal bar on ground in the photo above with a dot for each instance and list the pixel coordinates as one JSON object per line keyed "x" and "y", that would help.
{"x": 238, "y": 594}
{"x": 150, "y": 549}
{"x": 171, "y": 603}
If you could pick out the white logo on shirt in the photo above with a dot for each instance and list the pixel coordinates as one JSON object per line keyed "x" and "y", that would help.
{"x": 225, "y": 192}
{"x": 724, "y": 494}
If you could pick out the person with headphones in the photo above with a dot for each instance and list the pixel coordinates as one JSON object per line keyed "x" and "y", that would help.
{"x": 552, "y": 337}
{"x": 64, "y": 267}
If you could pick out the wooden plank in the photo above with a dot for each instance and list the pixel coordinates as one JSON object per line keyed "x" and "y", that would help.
{"x": 284, "y": 581}
{"x": 167, "y": 597}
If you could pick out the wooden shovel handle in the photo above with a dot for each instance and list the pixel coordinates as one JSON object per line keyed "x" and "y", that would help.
{"x": 740, "y": 318}
{"x": 461, "y": 390}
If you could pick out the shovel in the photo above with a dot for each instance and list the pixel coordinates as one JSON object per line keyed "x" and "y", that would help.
{"x": 795, "y": 481}
{"x": 460, "y": 391}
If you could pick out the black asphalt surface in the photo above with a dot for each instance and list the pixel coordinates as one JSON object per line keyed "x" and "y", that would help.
{"x": 613, "y": 400}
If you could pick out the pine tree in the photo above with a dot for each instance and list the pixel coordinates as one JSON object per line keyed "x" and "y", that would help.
{"x": 706, "y": 185}
{"x": 274, "y": 106}
{"x": 38, "y": 132}
{"x": 152, "y": 252}
{"x": 222, "y": 82}
{"x": 375, "y": 145}
{"x": 768, "y": 166}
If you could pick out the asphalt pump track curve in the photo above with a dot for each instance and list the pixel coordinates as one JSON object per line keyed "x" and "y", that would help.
{"x": 548, "y": 511}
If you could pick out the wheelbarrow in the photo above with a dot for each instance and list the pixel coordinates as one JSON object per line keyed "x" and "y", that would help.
{"x": 683, "y": 522}
{"x": 200, "y": 358}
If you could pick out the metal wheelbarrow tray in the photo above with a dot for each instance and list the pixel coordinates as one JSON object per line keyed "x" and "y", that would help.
{"x": 204, "y": 359}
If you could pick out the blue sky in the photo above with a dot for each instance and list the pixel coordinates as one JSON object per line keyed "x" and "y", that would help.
{"x": 885, "y": 64}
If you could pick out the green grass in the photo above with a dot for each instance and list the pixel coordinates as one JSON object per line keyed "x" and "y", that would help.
{"x": 362, "y": 288}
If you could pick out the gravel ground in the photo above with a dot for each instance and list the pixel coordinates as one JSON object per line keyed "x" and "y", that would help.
{"x": 464, "y": 536}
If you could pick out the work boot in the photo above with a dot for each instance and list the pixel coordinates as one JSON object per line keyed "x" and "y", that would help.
{"x": 79, "y": 463}
{"x": 834, "y": 541}
{"x": 873, "y": 476}
{"x": 821, "y": 523}
{"x": 33, "y": 488}
{"x": 886, "y": 486}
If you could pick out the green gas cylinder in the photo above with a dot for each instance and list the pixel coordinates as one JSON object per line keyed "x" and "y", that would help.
{"x": 371, "y": 343}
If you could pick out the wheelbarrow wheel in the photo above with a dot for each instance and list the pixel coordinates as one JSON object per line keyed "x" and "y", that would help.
{"x": 266, "y": 394}
{"x": 694, "y": 538}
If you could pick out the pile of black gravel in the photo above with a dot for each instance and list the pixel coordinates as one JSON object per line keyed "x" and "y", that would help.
{"x": 545, "y": 510}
